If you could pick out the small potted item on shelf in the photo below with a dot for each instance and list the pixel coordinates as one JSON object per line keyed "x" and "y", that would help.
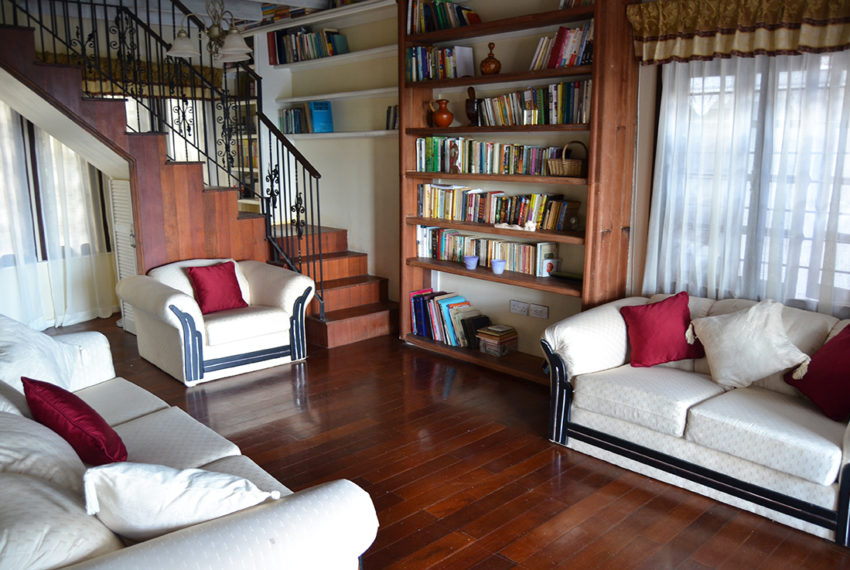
{"x": 442, "y": 116}
{"x": 498, "y": 266}
{"x": 490, "y": 65}
{"x": 470, "y": 261}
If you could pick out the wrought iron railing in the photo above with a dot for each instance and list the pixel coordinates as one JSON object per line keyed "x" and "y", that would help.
{"x": 210, "y": 113}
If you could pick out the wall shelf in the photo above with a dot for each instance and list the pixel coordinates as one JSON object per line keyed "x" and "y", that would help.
{"x": 342, "y": 59}
{"x": 351, "y": 15}
{"x": 574, "y": 238}
{"x": 524, "y": 178}
{"x": 342, "y": 135}
{"x": 363, "y": 94}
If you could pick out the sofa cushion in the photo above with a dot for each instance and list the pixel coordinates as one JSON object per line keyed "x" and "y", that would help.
{"x": 216, "y": 288}
{"x": 65, "y": 413}
{"x": 771, "y": 429}
{"x": 826, "y": 379}
{"x": 256, "y": 321}
{"x": 172, "y": 437}
{"x": 747, "y": 345}
{"x": 657, "y": 398}
{"x": 45, "y": 526}
{"x": 119, "y": 401}
{"x": 30, "y": 448}
{"x": 657, "y": 331}
{"x": 141, "y": 501}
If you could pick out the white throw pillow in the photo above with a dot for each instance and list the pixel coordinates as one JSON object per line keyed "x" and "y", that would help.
{"x": 747, "y": 345}
{"x": 45, "y": 526}
{"x": 30, "y": 448}
{"x": 8, "y": 406}
{"x": 25, "y": 352}
{"x": 141, "y": 501}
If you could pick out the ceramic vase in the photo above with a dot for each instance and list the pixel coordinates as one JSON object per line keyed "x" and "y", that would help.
{"x": 442, "y": 116}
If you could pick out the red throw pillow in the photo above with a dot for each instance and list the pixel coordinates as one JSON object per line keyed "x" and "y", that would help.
{"x": 216, "y": 287}
{"x": 657, "y": 331}
{"x": 826, "y": 381}
{"x": 65, "y": 413}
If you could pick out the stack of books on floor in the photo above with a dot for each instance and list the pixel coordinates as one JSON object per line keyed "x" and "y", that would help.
{"x": 445, "y": 317}
{"x": 497, "y": 340}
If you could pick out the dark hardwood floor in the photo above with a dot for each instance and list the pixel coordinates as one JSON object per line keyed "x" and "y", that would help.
{"x": 461, "y": 474}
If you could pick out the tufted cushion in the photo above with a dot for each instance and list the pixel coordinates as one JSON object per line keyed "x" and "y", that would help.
{"x": 45, "y": 526}
{"x": 232, "y": 326}
{"x": 770, "y": 429}
{"x": 657, "y": 331}
{"x": 657, "y": 398}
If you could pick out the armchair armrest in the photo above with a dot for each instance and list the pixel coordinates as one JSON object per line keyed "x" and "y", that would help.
{"x": 149, "y": 295}
{"x": 593, "y": 340}
{"x": 94, "y": 359}
{"x": 326, "y": 526}
{"x": 274, "y": 286}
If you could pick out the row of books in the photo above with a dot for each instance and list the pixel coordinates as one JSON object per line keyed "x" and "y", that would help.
{"x": 301, "y": 44}
{"x": 445, "y": 317}
{"x": 428, "y": 62}
{"x": 452, "y": 245}
{"x": 249, "y": 153}
{"x": 429, "y": 15}
{"x": 465, "y": 204}
{"x": 461, "y": 155}
{"x": 556, "y": 104}
{"x": 310, "y": 117}
{"x": 575, "y": 3}
{"x": 567, "y": 48}
{"x": 392, "y": 118}
{"x": 497, "y": 340}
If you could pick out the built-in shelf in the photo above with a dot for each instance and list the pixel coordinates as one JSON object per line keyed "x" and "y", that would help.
{"x": 342, "y": 135}
{"x": 504, "y": 78}
{"x": 498, "y": 178}
{"x": 570, "y": 287}
{"x": 364, "y": 94}
{"x": 345, "y": 58}
{"x": 463, "y": 130}
{"x": 574, "y": 238}
{"x": 350, "y": 15}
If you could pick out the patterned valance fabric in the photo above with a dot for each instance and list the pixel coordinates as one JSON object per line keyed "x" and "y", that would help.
{"x": 685, "y": 30}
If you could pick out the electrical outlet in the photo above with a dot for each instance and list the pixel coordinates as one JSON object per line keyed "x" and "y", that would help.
{"x": 539, "y": 311}
{"x": 519, "y": 307}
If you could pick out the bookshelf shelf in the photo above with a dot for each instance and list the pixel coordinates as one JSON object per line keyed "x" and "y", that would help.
{"x": 574, "y": 238}
{"x": 353, "y": 14}
{"x": 525, "y": 366}
{"x": 605, "y": 190}
{"x": 342, "y": 135}
{"x": 363, "y": 94}
{"x": 342, "y": 59}
{"x": 571, "y": 287}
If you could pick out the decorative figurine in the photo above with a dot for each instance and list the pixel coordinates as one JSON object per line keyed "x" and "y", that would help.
{"x": 472, "y": 108}
{"x": 490, "y": 65}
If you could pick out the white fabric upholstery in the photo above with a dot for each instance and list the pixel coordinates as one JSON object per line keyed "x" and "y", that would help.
{"x": 25, "y": 352}
{"x": 271, "y": 293}
{"x": 140, "y": 501}
{"x": 657, "y": 398}
{"x": 119, "y": 401}
{"x": 243, "y": 466}
{"x": 172, "y": 437}
{"x": 316, "y": 528}
{"x": 771, "y": 429}
{"x": 238, "y": 324}
{"x": 593, "y": 340}
{"x": 29, "y": 448}
{"x": 94, "y": 359}
{"x": 45, "y": 526}
{"x": 8, "y": 406}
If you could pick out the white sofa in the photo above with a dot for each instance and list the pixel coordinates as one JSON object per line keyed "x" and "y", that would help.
{"x": 326, "y": 526}
{"x": 192, "y": 347}
{"x": 764, "y": 448}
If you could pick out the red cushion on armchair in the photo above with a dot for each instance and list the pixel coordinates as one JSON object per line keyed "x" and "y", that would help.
{"x": 216, "y": 287}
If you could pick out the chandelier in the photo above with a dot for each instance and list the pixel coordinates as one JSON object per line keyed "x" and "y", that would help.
{"x": 224, "y": 46}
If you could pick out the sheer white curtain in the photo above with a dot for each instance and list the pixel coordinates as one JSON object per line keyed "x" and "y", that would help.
{"x": 751, "y": 191}
{"x": 58, "y": 262}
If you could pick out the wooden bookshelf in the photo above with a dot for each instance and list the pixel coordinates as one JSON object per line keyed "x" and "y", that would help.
{"x": 606, "y": 188}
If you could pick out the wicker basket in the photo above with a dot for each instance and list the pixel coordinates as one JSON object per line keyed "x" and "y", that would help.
{"x": 567, "y": 166}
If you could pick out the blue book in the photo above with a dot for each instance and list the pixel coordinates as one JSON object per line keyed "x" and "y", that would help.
{"x": 321, "y": 117}
{"x": 451, "y": 337}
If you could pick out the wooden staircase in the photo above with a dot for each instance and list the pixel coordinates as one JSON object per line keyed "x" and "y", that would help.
{"x": 356, "y": 303}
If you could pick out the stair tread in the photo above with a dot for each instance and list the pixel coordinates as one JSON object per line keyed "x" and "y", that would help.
{"x": 352, "y": 281}
{"x": 338, "y": 255}
{"x": 359, "y": 311}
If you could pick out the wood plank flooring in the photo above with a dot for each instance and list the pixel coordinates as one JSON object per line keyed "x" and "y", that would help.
{"x": 456, "y": 462}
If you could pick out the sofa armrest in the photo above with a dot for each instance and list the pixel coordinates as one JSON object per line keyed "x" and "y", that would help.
{"x": 274, "y": 286}
{"x": 326, "y": 526}
{"x": 155, "y": 298}
{"x": 94, "y": 359}
{"x": 592, "y": 340}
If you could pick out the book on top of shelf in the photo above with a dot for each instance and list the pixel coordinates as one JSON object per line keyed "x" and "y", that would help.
{"x": 429, "y": 15}
{"x": 565, "y": 49}
{"x": 321, "y": 116}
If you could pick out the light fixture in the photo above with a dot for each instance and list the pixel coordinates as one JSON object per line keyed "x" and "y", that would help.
{"x": 225, "y": 46}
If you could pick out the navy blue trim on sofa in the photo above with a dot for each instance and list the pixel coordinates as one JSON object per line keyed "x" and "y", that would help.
{"x": 194, "y": 365}
{"x": 561, "y": 429}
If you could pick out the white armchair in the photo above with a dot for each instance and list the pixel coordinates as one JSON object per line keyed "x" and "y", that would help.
{"x": 192, "y": 347}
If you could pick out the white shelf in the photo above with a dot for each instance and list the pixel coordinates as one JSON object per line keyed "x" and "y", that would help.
{"x": 342, "y": 135}
{"x": 351, "y": 15}
{"x": 351, "y": 57}
{"x": 366, "y": 93}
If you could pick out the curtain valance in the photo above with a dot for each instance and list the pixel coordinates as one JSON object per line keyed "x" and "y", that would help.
{"x": 685, "y": 30}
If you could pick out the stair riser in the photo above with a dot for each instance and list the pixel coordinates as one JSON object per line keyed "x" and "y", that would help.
{"x": 331, "y": 242}
{"x": 348, "y": 331}
{"x": 337, "y": 267}
{"x": 351, "y": 296}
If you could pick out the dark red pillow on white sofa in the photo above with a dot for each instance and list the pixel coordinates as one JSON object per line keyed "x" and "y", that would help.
{"x": 826, "y": 378}
{"x": 657, "y": 331}
{"x": 216, "y": 287}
